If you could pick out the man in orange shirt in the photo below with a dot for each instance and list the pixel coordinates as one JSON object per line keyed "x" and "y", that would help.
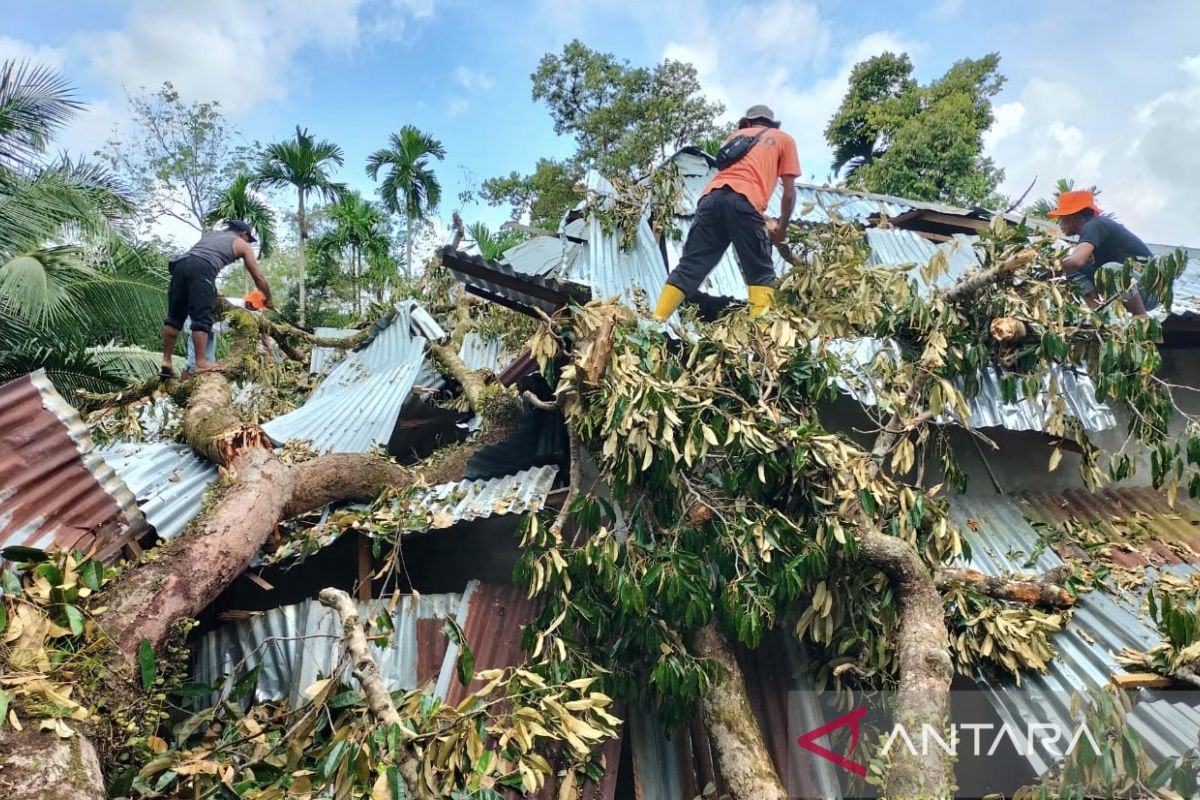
{"x": 730, "y": 211}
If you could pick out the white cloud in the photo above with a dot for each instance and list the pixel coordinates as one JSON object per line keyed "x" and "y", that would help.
{"x": 947, "y": 8}
{"x": 1145, "y": 167}
{"x": 472, "y": 80}
{"x": 456, "y": 106}
{"x": 16, "y": 50}
{"x": 242, "y": 53}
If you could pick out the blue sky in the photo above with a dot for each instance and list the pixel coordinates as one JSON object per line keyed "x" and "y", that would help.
{"x": 1106, "y": 92}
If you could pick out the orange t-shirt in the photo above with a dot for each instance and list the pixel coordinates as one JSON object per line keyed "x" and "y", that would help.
{"x": 754, "y": 177}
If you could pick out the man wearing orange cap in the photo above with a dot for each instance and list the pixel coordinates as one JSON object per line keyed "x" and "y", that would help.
{"x": 1103, "y": 244}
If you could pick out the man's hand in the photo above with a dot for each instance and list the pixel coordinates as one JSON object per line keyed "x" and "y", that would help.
{"x": 267, "y": 301}
{"x": 776, "y": 232}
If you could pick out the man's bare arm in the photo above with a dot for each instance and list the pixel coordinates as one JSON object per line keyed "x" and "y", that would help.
{"x": 1079, "y": 258}
{"x": 246, "y": 252}
{"x": 786, "y": 204}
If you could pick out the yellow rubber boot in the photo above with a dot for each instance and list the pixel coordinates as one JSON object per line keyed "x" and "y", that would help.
{"x": 668, "y": 301}
{"x": 760, "y": 299}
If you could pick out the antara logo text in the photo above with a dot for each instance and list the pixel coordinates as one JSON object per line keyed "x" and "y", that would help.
{"x": 982, "y": 739}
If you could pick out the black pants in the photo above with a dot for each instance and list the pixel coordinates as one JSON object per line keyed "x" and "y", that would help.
{"x": 192, "y": 293}
{"x": 724, "y": 217}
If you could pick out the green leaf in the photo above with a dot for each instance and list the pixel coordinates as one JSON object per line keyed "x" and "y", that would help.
{"x": 1162, "y": 773}
{"x": 74, "y": 619}
{"x": 91, "y": 574}
{"x": 10, "y": 583}
{"x": 3, "y": 617}
{"x": 4, "y": 700}
{"x": 19, "y": 554}
{"x": 245, "y": 684}
{"x": 147, "y": 663}
{"x": 465, "y": 664}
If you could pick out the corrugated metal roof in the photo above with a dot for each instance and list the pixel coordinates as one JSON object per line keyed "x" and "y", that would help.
{"x": 168, "y": 480}
{"x": 300, "y": 644}
{"x": 450, "y": 503}
{"x": 356, "y": 407}
{"x": 1003, "y": 540}
{"x": 480, "y": 353}
{"x": 55, "y": 489}
{"x": 322, "y": 357}
{"x": 1186, "y": 292}
{"x": 987, "y": 407}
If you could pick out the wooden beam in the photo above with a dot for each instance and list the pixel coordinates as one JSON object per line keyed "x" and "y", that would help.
{"x": 1141, "y": 680}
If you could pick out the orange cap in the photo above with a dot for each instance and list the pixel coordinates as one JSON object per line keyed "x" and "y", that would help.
{"x": 1073, "y": 202}
{"x": 255, "y": 300}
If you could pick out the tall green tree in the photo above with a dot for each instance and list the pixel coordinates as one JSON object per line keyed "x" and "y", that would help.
{"x": 177, "y": 158}
{"x": 73, "y": 292}
{"x": 545, "y": 195}
{"x": 358, "y": 235}
{"x": 623, "y": 118}
{"x": 410, "y": 186}
{"x": 240, "y": 201}
{"x": 492, "y": 246}
{"x": 302, "y": 163}
{"x": 893, "y": 135}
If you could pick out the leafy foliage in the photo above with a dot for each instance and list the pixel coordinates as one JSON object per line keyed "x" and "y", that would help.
{"x": 623, "y": 118}
{"x": 239, "y": 201}
{"x": 177, "y": 157}
{"x": 545, "y": 195}
{"x": 897, "y": 137}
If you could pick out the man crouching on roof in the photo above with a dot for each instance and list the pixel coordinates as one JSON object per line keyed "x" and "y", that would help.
{"x": 1104, "y": 244}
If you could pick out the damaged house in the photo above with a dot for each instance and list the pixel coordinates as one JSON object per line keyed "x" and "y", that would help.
{"x": 461, "y": 539}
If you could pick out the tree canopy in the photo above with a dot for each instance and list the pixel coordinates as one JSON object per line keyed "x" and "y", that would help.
{"x": 893, "y": 135}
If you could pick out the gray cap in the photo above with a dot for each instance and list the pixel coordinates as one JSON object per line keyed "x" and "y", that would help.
{"x": 760, "y": 112}
{"x": 241, "y": 226}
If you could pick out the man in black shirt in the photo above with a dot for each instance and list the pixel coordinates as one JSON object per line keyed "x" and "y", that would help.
{"x": 1104, "y": 243}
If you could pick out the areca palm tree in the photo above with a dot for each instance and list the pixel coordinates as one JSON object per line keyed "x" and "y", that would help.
{"x": 73, "y": 293}
{"x": 492, "y": 246}
{"x": 240, "y": 201}
{"x": 358, "y": 232}
{"x": 410, "y": 186}
{"x": 302, "y": 163}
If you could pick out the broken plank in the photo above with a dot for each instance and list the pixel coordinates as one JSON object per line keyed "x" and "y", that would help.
{"x": 1141, "y": 680}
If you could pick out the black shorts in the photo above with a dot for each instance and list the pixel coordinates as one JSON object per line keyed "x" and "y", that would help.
{"x": 192, "y": 293}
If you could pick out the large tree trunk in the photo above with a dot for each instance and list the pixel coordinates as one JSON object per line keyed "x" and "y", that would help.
{"x": 36, "y": 765}
{"x": 741, "y": 751}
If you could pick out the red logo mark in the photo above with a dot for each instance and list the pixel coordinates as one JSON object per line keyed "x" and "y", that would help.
{"x": 809, "y": 743}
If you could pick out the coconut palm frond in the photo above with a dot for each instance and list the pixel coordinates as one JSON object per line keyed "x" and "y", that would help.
{"x": 42, "y": 287}
{"x": 35, "y": 101}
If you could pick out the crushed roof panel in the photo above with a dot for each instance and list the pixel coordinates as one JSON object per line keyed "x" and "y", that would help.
{"x": 55, "y": 489}
{"x": 323, "y": 357}
{"x": 987, "y": 407}
{"x": 355, "y": 408}
{"x": 168, "y": 480}
{"x": 1003, "y": 541}
{"x": 450, "y": 503}
{"x": 299, "y": 644}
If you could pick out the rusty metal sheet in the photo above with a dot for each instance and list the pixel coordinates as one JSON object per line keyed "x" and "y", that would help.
{"x": 56, "y": 491}
{"x": 1153, "y": 533}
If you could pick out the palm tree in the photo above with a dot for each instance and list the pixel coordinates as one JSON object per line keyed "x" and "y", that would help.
{"x": 301, "y": 163}
{"x": 410, "y": 186}
{"x": 240, "y": 201}
{"x": 492, "y": 246}
{"x": 71, "y": 287}
{"x": 358, "y": 231}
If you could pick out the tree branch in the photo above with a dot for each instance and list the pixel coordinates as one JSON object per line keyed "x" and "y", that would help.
{"x": 1044, "y": 591}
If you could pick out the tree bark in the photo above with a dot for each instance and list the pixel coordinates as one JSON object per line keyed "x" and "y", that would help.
{"x": 379, "y": 701}
{"x": 302, "y": 223}
{"x": 1045, "y": 591}
{"x": 923, "y": 693}
{"x": 37, "y": 765}
{"x": 741, "y": 751}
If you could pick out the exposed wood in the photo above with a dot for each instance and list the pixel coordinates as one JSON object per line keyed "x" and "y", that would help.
{"x": 260, "y": 582}
{"x": 1045, "y": 591}
{"x": 966, "y": 224}
{"x": 366, "y": 671}
{"x": 934, "y": 237}
{"x": 1141, "y": 680}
